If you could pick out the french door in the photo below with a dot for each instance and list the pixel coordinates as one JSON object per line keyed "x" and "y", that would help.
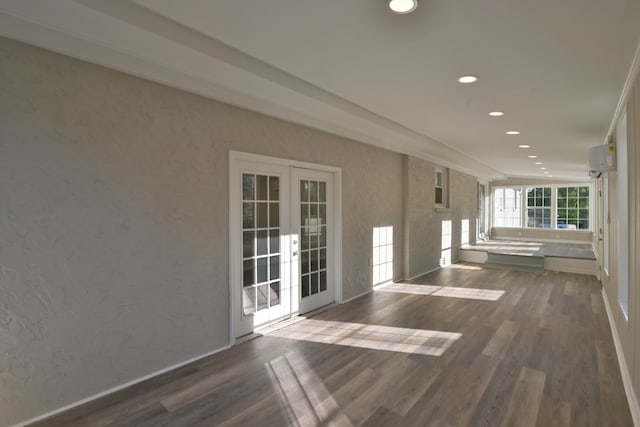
{"x": 313, "y": 223}
{"x": 282, "y": 243}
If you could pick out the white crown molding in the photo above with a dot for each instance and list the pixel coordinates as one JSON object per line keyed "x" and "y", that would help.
{"x": 238, "y": 79}
{"x": 632, "y": 75}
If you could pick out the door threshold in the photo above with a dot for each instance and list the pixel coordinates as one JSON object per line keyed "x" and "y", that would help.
{"x": 283, "y": 323}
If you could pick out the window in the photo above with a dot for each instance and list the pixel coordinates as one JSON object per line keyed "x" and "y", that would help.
{"x": 506, "y": 207}
{"x": 560, "y": 207}
{"x": 445, "y": 253}
{"x": 441, "y": 187}
{"x": 539, "y": 207}
{"x": 382, "y": 254}
{"x": 573, "y": 208}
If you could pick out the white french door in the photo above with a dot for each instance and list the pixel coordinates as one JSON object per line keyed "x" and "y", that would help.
{"x": 282, "y": 226}
{"x": 312, "y": 202}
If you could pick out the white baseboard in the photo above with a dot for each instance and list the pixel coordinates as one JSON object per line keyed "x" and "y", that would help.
{"x": 624, "y": 368}
{"x": 116, "y": 388}
{"x": 357, "y": 296}
{"x": 422, "y": 274}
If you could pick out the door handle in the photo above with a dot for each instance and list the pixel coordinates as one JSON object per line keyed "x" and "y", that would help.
{"x": 295, "y": 253}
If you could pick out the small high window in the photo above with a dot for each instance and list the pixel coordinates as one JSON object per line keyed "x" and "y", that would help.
{"x": 441, "y": 187}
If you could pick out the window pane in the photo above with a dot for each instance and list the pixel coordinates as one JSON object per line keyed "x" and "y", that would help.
{"x": 313, "y": 191}
{"x": 304, "y": 191}
{"x": 262, "y": 270}
{"x": 261, "y": 215}
{"x": 249, "y": 300}
{"x": 323, "y": 259}
{"x": 275, "y": 293}
{"x": 314, "y": 284}
{"x": 323, "y": 281}
{"x": 274, "y": 214}
{"x": 262, "y": 242}
{"x": 263, "y": 296}
{"x": 322, "y": 192}
{"x": 248, "y": 244}
{"x": 274, "y": 188}
{"x": 262, "y": 188}
{"x": 274, "y": 268}
{"x": 305, "y": 286}
{"x": 248, "y": 187}
{"x": 248, "y": 215}
{"x": 304, "y": 262}
{"x": 439, "y": 196}
{"x": 274, "y": 241}
{"x": 247, "y": 273}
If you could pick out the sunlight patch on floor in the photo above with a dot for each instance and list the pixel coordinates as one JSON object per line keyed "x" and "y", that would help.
{"x": 375, "y": 337}
{"x": 444, "y": 291}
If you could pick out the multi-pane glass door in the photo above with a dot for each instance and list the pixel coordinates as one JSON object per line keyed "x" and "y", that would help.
{"x": 260, "y": 242}
{"x": 281, "y": 248}
{"x": 313, "y": 220}
{"x": 313, "y": 237}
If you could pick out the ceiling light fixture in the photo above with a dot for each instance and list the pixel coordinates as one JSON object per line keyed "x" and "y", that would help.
{"x": 532, "y": 156}
{"x": 496, "y": 113}
{"x": 538, "y": 163}
{"x": 403, "y": 6}
{"x": 524, "y": 146}
{"x": 543, "y": 168}
{"x": 513, "y": 132}
{"x": 468, "y": 79}
{"x": 545, "y": 172}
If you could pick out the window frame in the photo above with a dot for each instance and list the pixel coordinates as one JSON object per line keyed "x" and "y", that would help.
{"x": 524, "y": 204}
{"x": 539, "y": 204}
{"x": 443, "y": 185}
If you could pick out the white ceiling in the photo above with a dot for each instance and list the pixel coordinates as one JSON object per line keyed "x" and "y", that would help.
{"x": 558, "y": 69}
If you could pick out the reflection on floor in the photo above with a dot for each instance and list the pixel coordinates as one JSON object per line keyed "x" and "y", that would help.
{"x": 540, "y": 355}
{"x": 303, "y": 394}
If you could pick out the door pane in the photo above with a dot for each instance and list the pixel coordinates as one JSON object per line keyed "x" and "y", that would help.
{"x": 313, "y": 236}
{"x": 260, "y": 242}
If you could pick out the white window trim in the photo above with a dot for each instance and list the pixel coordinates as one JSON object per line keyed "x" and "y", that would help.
{"x": 444, "y": 186}
{"x": 554, "y": 209}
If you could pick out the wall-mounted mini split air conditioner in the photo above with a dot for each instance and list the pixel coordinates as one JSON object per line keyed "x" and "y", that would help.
{"x": 602, "y": 158}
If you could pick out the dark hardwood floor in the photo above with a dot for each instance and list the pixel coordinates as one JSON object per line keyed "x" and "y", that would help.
{"x": 463, "y": 346}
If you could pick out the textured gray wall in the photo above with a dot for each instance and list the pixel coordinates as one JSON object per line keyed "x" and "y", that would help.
{"x": 114, "y": 223}
{"x": 424, "y": 223}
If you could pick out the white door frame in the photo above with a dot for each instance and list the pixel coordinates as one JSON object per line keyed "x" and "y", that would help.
{"x": 235, "y": 159}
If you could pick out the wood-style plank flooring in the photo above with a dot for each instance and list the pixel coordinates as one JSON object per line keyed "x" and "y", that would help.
{"x": 463, "y": 346}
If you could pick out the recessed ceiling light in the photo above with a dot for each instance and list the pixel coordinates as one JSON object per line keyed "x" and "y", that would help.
{"x": 496, "y": 113}
{"x": 468, "y": 79}
{"x": 546, "y": 172}
{"x": 403, "y": 6}
{"x": 538, "y": 163}
{"x": 524, "y": 146}
{"x": 532, "y": 156}
{"x": 543, "y": 168}
{"x": 513, "y": 132}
